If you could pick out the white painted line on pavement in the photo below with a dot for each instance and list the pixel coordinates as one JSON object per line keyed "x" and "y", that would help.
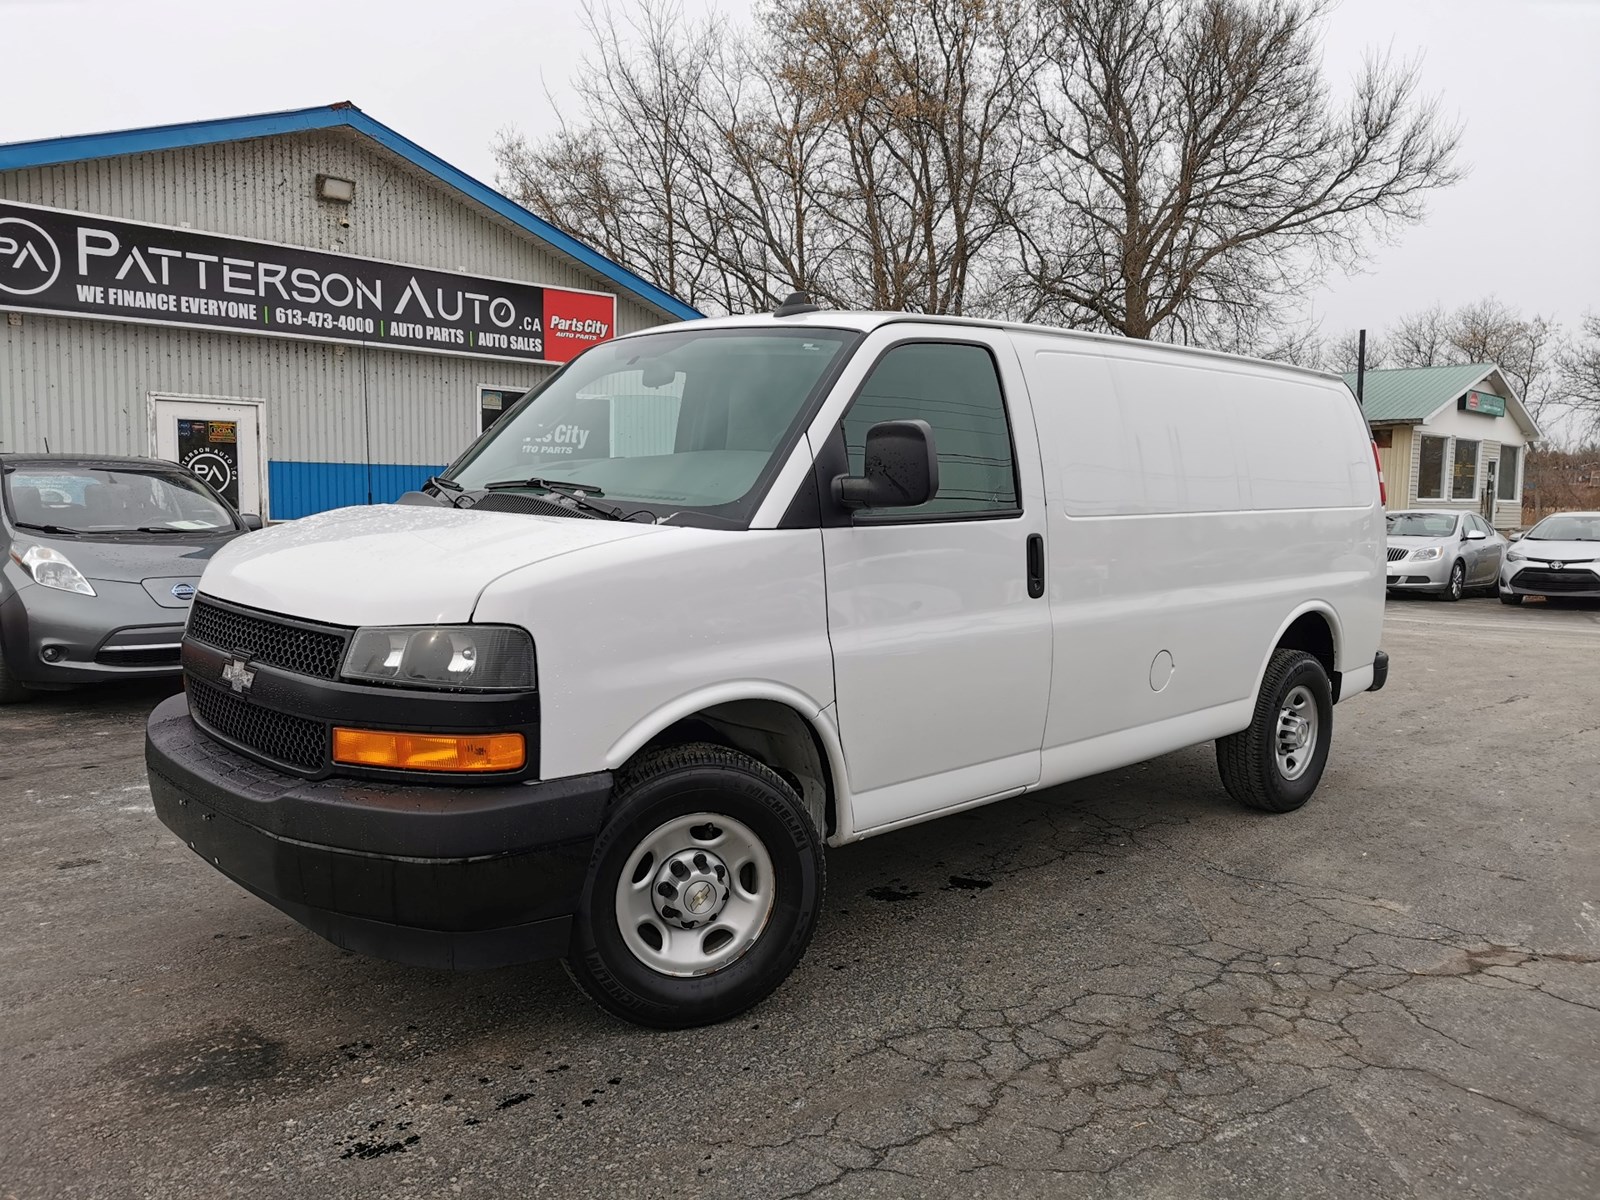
{"x": 1506, "y": 629}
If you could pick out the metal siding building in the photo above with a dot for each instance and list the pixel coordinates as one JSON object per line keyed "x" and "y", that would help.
{"x": 338, "y": 423}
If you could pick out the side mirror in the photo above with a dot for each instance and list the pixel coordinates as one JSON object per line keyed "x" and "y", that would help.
{"x": 1517, "y": 536}
{"x": 901, "y": 468}
{"x": 1476, "y": 535}
{"x": 251, "y": 520}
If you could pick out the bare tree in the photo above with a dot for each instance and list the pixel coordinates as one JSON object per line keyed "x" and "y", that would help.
{"x": 1422, "y": 339}
{"x": 867, "y": 151}
{"x": 622, "y": 179}
{"x": 1164, "y": 168}
{"x": 1344, "y": 350}
{"x": 1524, "y": 348}
{"x": 1483, "y": 331}
{"x": 1579, "y": 367}
{"x": 924, "y": 102}
{"x": 1200, "y": 173}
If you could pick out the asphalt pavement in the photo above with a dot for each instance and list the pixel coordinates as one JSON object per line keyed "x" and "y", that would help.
{"x": 1127, "y": 986}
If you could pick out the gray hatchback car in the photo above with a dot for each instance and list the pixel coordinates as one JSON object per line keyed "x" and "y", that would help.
{"x": 100, "y": 561}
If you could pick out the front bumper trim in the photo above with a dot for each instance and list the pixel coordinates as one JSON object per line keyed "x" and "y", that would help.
{"x": 456, "y": 877}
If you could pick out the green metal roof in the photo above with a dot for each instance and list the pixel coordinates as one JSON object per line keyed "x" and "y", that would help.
{"x": 1414, "y": 393}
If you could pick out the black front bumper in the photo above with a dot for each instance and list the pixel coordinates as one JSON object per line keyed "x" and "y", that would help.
{"x": 459, "y": 877}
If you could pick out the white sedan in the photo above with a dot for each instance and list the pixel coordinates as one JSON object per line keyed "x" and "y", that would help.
{"x": 1560, "y": 556}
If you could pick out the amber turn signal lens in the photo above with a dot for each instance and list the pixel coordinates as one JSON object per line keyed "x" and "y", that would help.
{"x": 429, "y": 751}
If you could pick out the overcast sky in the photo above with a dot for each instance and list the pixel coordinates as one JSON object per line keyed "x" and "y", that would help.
{"x": 1521, "y": 74}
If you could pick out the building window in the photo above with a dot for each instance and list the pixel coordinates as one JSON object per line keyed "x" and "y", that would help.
{"x": 1430, "y": 476}
{"x": 1464, "y": 475}
{"x": 1383, "y": 438}
{"x": 1507, "y": 478}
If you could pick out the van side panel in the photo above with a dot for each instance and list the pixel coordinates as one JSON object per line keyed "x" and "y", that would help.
{"x": 1195, "y": 506}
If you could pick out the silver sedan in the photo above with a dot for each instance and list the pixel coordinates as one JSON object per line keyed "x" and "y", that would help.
{"x": 1443, "y": 552}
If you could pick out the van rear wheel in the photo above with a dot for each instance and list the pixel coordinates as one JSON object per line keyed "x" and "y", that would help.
{"x": 704, "y": 889}
{"x": 1276, "y": 763}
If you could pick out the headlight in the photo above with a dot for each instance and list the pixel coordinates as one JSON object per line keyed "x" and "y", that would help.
{"x": 1515, "y": 556}
{"x": 1426, "y": 554}
{"x": 473, "y": 657}
{"x": 53, "y": 569}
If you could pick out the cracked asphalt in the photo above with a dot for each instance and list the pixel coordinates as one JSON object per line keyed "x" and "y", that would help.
{"x": 1123, "y": 987}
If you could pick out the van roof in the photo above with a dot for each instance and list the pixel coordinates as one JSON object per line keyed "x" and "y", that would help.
{"x": 865, "y": 321}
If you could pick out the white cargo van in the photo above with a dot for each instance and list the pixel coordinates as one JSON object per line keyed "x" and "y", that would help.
{"x": 723, "y": 594}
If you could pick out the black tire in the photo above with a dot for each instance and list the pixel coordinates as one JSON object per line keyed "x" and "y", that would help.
{"x": 11, "y": 689}
{"x": 1457, "y": 584}
{"x": 672, "y": 783}
{"x": 1510, "y": 598}
{"x": 1248, "y": 760}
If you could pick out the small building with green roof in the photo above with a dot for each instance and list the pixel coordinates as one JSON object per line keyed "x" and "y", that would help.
{"x": 1450, "y": 437}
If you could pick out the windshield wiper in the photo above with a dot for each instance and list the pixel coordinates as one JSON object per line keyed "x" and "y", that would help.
{"x": 550, "y": 485}
{"x": 579, "y": 495}
{"x": 48, "y": 528}
{"x": 169, "y": 529}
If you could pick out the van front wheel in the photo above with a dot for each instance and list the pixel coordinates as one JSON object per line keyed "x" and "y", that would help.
{"x": 1276, "y": 763}
{"x": 703, "y": 892}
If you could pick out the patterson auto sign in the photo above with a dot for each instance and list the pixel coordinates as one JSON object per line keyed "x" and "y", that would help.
{"x": 76, "y": 264}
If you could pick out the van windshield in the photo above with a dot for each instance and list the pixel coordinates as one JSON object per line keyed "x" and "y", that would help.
{"x": 686, "y": 421}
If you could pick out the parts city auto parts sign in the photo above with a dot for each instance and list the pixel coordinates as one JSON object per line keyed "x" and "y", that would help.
{"x": 81, "y": 265}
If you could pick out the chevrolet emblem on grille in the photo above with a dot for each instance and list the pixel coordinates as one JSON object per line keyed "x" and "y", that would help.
{"x": 238, "y": 675}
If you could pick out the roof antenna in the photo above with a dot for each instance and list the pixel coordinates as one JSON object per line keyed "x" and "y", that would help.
{"x": 795, "y": 304}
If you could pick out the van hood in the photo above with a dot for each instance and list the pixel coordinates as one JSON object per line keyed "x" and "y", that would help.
{"x": 395, "y": 564}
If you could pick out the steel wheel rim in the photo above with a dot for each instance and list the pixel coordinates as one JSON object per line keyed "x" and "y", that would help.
{"x": 1295, "y": 739}
{"x": 677, "y": 912}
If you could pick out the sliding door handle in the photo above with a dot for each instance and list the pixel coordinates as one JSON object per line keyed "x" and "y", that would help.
{"x": 1035, "y": 565}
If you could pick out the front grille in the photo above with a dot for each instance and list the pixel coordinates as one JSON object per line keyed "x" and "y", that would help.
{"x": 314, "y": 652}
{"x": 1396, "y": 553}
{"x": 1536, "y": 579}
{"x": 279, "y": 736}
{"x": 536, "y": 506}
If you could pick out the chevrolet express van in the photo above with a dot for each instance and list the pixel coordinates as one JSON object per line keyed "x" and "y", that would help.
{"x": 718, "y": 596}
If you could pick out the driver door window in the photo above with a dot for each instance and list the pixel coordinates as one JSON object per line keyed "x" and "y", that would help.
{"x": 956, "y": 390}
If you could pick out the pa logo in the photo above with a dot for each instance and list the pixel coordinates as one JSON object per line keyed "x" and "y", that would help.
{"x": 214, "y": 468}
{"x": 30, "y": 261}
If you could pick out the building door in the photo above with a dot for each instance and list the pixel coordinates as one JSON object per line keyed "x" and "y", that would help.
{"x": 1490, "y": 486}
{"x": 220, "y": 441}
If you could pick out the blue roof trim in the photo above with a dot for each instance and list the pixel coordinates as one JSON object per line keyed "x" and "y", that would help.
{"x": 53, "y": 151}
